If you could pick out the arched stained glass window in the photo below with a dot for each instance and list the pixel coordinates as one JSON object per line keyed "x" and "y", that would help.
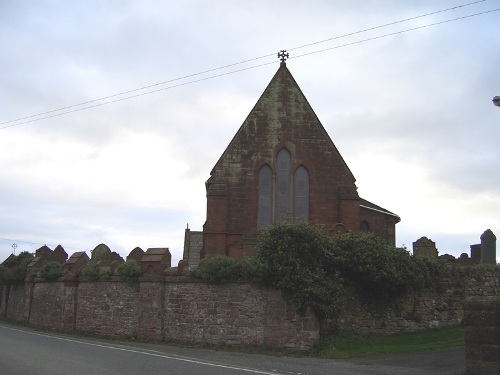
{"x": 301, "y": 192}
{"x": 265, "y": 195}
{"x": 283, "y": 185}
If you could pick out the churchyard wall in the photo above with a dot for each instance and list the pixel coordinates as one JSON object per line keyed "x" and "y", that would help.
{"x": 177, "y": 308}
{"x": 166, "y": 305}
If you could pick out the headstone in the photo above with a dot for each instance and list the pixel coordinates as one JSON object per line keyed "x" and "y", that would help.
{"x": 136, "y": 255}
{"x": 101, "y": 255}
{"x": 156, "y": 260}
{"x": 425, "y": 248}
{"x": 475, "y": 253}
{"x": 34, "y": 266}
{"x": 75, "y": 263}
{"x": 488, "y": 247}
{"x": 59, "y": 255}
{"x": 43, "y": 252}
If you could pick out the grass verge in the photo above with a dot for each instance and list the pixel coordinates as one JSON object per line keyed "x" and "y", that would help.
{"x": 348, "y": 345}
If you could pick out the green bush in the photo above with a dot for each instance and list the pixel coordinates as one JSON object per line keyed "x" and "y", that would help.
{"x": 50, "y": 271}
{"x": 313, "y": 270}
{"x": 14, "y": 268}
{"x": 105, "y": 273}
{"x": 297, "y": 257}
{"x": 223, "y": 269}
{"x": 253, "y": 270}
{"x": 129, "y": 271}
{"x": 217, "y": 270}
{"x": 90, "y": 272}
{"x": 376, "y": 268}
{"x": 6, "y": 275}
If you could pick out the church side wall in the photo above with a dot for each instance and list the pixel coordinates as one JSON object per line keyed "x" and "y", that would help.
{"x": 382, "y": 225}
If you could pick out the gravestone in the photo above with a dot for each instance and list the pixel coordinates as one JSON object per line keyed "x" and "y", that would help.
{"x": 425, "y": 248}
{"x": 75, "y": 263}
{"x": 475, "y": 253}
{"x": 136, "y": 255}
{"x": 101, "y": 255}
{"x": 59, "y": 255}
{"x": 43, "y": 252}
{"x": 488, "y": 247}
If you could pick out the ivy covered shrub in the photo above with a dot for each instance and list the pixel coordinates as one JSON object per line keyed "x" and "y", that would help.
{"x": 217, "y": 270}
{"x": 375, "y": 268}
{"x": 313, "y": 270}
{"x": 90, "y": 272}
{"x": 298, "y": 260}
{"x": 222, "y": 269}
{"x": 129, "y": 271}
{"x": 50, "y": 271}
{"x": 254, "y": 270}
{"x": 14, "y": 268}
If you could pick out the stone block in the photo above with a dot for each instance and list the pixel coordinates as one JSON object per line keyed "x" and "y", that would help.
{"x": 490, "y": 353}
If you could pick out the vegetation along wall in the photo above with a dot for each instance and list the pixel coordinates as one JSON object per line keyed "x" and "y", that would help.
{"x": 302, "y": 285}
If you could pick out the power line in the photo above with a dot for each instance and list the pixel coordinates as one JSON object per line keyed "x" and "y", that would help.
{"x": 35, "y": 118}
{"x": 386, "y": 25}
{"x": 227, "y": 66}
{"x": 36, "y": 243}
{"x": 395, "y": 33}
{"x": 128, "y": 97}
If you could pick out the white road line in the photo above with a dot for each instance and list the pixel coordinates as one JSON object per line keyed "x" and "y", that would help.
{"x": 145, "y": 353}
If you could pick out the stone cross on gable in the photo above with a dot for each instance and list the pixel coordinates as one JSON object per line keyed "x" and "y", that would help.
{"x": 283, "y": 55}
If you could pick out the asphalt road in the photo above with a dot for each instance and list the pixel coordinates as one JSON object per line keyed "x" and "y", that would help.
{"x": 24, "y": 351}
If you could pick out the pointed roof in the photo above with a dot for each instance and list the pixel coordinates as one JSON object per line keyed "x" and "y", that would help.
{"x": 281, "y": 99}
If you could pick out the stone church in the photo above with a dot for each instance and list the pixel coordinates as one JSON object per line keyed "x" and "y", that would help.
{"x": 281, "y": 165}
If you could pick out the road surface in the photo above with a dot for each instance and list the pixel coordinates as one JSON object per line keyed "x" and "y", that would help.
{"x": 25, "y": 351}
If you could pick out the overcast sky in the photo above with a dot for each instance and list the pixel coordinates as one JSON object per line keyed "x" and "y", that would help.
{"x": 411, "y": 113}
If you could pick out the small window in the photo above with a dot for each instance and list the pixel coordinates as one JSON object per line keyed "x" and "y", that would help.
{"x": 301, "y": 192}
{"x": 265, "y": 196}
{"x": 283, "y": 184}
{"x": 364, "y": 227}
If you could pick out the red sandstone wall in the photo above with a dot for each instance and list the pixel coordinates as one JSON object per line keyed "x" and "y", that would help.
{"x": 107, "y": 308}
{"x": 235, "y": 314}
{"x": 14, "y": 308}
{"x": 47, "y": 305}
{"x": 178, "y": 309}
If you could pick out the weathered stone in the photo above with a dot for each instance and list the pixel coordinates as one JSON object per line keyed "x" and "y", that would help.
{"x": 154, "y": 262}
{"x": 425, "y": 248}
{"x": 43, "y": 252}
{"x": 101, "y": 255}
{"x": 75, "y": 263}
{"x": 136, "y": 255}
{"x": 59, "y": 255}
{"x": 488, "y": 247}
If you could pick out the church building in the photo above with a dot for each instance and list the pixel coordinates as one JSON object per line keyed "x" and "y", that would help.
{"x": 281, "y": 166}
